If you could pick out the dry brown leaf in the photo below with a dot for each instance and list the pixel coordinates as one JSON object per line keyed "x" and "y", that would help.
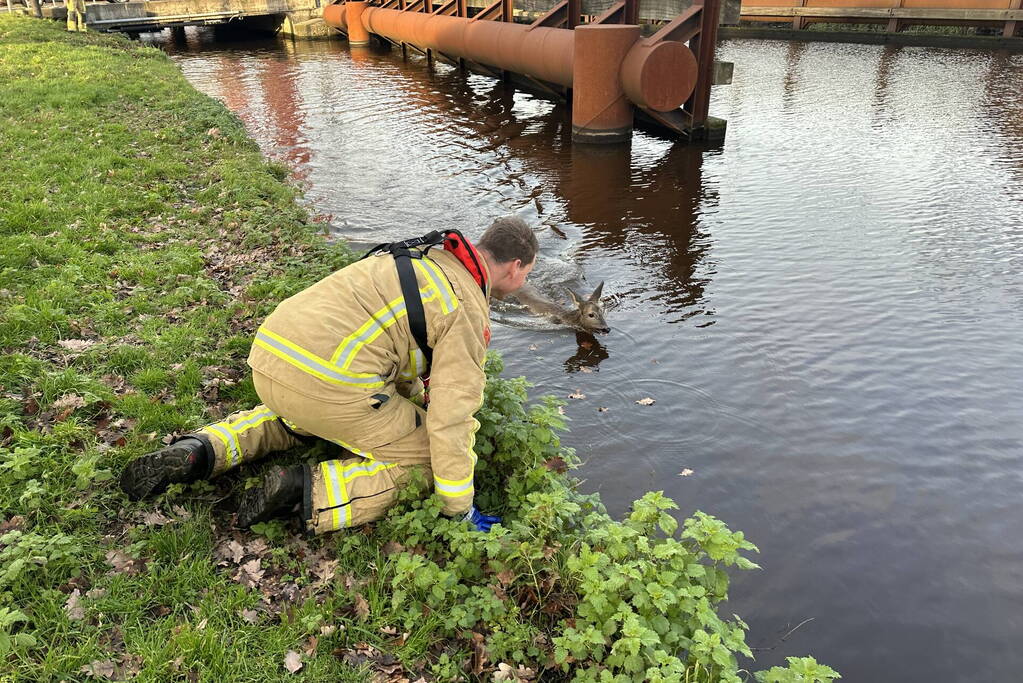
{"x": 479, "y": 653}
{"x": 519, "y": 674}
{"x": 12, "y": 524}
{"x": 123, "y": 564}
{"x": 310, "y": 646}
{"x": 685, "y": 473}
{"x": 97, "y": 669}
{"x": 361, "y": 607}
{"x": 250, "y": 615}
{"x": 646, "y": 401}
{"x": 68, "y": 402}
{"x": 392, "y": 547}
{"x": 293, "y": 661}
{"x": 557, "y": 464}
{"x": 250, "y": 573}
{"x": 74, "y": 611}
{"x": 389, "y": 630}
{"x": 155, "y": 518}
{"x": 76, "y": 345}
{"x": 578, "y": 395}
{"x": 183, "y": 514}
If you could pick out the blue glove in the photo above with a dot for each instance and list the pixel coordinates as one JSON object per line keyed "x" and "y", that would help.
{"x": 479, "y": 520}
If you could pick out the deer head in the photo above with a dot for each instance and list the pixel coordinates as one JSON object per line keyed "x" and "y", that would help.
{"x": 590, "y": 314}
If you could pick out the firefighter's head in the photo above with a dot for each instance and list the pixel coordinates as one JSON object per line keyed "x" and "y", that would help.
{"x": 510, "y": 247}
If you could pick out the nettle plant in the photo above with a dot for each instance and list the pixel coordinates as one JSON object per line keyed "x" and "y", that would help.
{"x": 560, "y": 586}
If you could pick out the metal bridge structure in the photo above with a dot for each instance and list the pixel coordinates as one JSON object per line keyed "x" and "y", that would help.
{"x": 612, "y": 60}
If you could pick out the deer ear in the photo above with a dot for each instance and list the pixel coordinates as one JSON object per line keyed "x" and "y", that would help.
{"x": 595, "y": 297}
{"x": 575, "y": 297}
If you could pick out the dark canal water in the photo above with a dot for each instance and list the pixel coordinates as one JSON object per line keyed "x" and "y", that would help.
{"x": 828, "y": 309}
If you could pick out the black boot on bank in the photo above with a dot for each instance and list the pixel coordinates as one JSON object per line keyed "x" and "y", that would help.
{"x": 183, "y": 462}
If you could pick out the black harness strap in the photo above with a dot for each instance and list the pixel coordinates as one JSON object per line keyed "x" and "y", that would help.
{"x": 413, "y": 301}
{"x": 403, "y": 254}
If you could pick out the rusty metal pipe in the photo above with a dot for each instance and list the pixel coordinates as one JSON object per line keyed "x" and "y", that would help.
{"x": 606, "y": 65}
{"x": 357, "y": 33}
{"x": 543, "y": 53}
{"x": 600, "y": 110}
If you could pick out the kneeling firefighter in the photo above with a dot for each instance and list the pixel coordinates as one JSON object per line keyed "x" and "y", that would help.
{"x": 345, "y": 360}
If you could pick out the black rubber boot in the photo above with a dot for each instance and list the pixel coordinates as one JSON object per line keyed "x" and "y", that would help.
{"x": 182, "y": 462}
{"x": 281, "y": 490}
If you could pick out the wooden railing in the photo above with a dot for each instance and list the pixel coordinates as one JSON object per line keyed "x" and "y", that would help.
{"x": 895, "y": 14}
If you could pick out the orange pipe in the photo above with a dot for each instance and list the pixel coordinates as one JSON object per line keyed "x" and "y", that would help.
{"x": 357, "y": 33}
{"x": 606, "y": 65}
{"x": 600, "y": 110}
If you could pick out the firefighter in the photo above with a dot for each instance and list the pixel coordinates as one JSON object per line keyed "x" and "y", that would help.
{"x": 345, "y": 360}
{"x": 75, "y": 15}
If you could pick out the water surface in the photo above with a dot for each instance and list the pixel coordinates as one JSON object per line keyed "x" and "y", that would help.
{"x": 827, "y": 309}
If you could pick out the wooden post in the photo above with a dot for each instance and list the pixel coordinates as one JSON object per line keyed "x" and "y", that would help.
{"x": 36, "y": 9}
{"x": 894, "y": 24}
{"x": 1011, "y": 26}
{"x": 798, "y": 22}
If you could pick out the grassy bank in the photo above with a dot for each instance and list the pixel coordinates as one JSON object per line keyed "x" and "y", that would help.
{"x": 142, "y": 239}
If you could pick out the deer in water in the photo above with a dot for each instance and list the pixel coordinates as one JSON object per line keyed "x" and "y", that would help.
{"x": 588, "y": 314}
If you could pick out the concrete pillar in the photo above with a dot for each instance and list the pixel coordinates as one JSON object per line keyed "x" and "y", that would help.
{"x": 357, "y": 33}
{"x": 601, "y": 112}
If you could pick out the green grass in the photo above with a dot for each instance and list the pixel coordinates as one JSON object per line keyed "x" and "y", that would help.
{"x": 142, "y": 240}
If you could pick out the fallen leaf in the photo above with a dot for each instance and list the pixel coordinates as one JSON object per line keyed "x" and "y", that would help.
{"x": 389, "y": 630}
{"x": 250, "y": 573}
{"x": 131, "y": 665}
{"x": 123, "y": 564}
{"x": 310, "y": 646}
{"x": 76, "y": 345}
{"x": 97, "y": 669}
{"x": 250, "y": 615}
{"x": 201, "y": 626}
{"x": 479, "y": 653}
{"x": 685, "y": 473}
{"x": 293, "y": 661}
{"x": 646, "y": 401}
{"x": 519, "y": 674}
{"x": 68, "y": 401}
{"x": 392, "y": 547}
{"x": 329, "y": 630}
{"x": 12, "y": 524}
{"x": 97, "y": 593}
{"x": 183, "y": 514}
{"x": 155, "y": 518}
{"x": 557, "y": 464}
{"x": 74, "y": 611}
{"x": 361, "y": 607}
{"x": 578, "y": 395}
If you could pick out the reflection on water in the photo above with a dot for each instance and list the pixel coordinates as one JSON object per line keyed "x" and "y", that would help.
{"x": 827, "y": 310}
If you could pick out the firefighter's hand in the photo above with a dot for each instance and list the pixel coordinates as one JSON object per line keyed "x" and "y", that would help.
{"x": 479, "y": 520}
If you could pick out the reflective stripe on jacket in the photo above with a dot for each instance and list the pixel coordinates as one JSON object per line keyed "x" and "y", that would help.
{"x": 346, "y": 340}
